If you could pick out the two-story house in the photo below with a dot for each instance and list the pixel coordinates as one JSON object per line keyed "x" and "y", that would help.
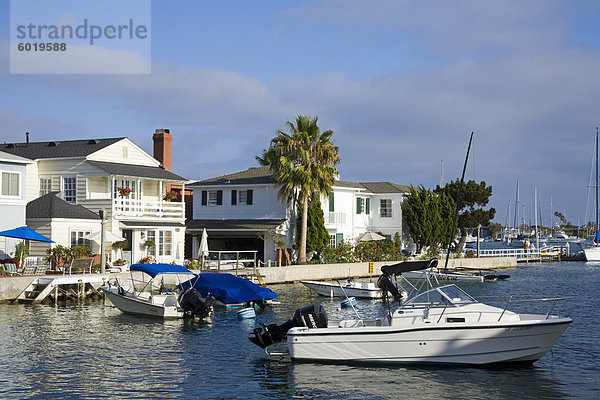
{"x": 13, "y": 175}
{"x": 116, "y": 176}
{"x": 241, "y": 211}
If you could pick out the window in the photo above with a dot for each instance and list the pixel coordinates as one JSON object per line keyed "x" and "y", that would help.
{"x": 124, "y": 183}
{"x": 69, "y": 189}
{"x": 45, "y": 186}
{"x": 331, "y": 203}
{"x": 212, "y": 197}
{"x": 385, "y": 208}
{"x": 165, "y": 243}
{"x": 151, "y": 235}
{"x": 332, "y": 242}
{"x": 78, "y": 240}
{"x": 10, "y": 184}
{"x": 363, "y": 205}
{"x": 243, "y": 197}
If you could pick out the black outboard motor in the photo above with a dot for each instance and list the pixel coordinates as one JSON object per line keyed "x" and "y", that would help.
{"x": 385, "y": 283}
{"x": 312, "y": 316}
{"x": 193, "y": 305}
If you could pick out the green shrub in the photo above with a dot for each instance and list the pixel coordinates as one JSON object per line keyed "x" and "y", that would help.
{"x": 378, "y": 251}
{"x": 343, "y": 253}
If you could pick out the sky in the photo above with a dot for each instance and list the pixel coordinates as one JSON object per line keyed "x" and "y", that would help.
{"x": 401, "y": 83}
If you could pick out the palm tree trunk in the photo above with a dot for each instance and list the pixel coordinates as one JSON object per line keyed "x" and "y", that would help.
{"x": 303, "y": 229}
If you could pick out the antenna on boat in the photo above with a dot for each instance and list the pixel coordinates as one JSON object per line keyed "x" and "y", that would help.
{"x": 462, "y": 179}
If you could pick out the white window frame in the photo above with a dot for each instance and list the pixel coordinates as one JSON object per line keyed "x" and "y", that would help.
{"x": 79, "y": 233}
{"x": 19, "y": 177}
{"x": 211, "y": 197}
{"x": 64, "y": 190}
{"x": 242, "y": 200}
{"x": 389, "y": 213}
{"x": 363, "y": 204}
{"x": 151, "y": 235}
{"x": 332, "y": 241}
{"x": 165, "y": 243}
{"x": 44, "y": 191}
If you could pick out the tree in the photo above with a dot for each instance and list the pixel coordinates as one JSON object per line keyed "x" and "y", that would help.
{"x": 303, "y": 163}
{"x": 317, "y": 237}
{"x": 495, "y": 229}
{"x": 473, "y": 198}
{"x": 428, "y": 216}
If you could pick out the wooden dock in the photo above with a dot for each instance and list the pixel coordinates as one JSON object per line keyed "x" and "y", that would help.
{"x": 66, "y": 286}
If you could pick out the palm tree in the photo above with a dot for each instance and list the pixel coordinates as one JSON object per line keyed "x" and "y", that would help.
{"x": 303, "y": 164}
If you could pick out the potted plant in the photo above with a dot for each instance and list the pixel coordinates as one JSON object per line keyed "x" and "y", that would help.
{"x": 124, "y": 191}
{"x": 171, "y": 195}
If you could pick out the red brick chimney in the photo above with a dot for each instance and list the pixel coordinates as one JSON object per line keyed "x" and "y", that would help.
{"x": 162, "y": 147}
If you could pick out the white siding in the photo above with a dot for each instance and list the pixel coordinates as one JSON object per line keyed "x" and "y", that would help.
{"x": 124, "y": 152}
{"x": 98, "y": 188}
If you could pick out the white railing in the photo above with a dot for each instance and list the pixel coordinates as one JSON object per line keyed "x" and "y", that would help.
{"x": 334, "y": 218}
{"x": 148, "y": 209}
{"x": 517, "y": 253}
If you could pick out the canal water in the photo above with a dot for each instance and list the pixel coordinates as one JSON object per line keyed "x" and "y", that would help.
{"x": 89, "y": 350}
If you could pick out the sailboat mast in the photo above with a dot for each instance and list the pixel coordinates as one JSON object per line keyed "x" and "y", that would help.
{"x": 517, "y": 205}
{"x": 596, "y": 183}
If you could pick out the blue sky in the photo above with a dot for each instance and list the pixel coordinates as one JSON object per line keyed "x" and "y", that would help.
{"x": 401, "y": 83}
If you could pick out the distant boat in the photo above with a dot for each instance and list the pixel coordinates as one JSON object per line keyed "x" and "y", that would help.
{"x": 592, "y": 253}
{"x": 368, "y": 290}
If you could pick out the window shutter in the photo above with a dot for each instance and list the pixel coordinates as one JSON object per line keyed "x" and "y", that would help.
{"x": 358, "y": 206}
{"x": 204, "y": 197}
{"x": 331, "y": 203}
{"x": 249, "y": 197}
{"x": 339, "y": 238}
{"x": 233, "y": 197}
{"x": 368, "y": 205}
{"x": 219, "y": 197}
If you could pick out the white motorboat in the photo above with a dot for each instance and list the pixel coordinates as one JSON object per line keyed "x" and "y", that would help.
{"x": 348, "y": 287}
{"x": 171, "y": 296}
{"x": 453, "y": 276}
{"x": 437, "y": 325}
{"x": 592, "y": 254}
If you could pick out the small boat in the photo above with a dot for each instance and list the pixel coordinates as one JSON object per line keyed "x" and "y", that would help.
{"x": 349, "y": 302}
{"x": 246, "y": 313}
{"x": 436, "y": 325}
{"x": 171, "y": 296}
{"x": 229, "y": 289}
{"x": 348, "y": 287}
{"x": 452, "y": 276}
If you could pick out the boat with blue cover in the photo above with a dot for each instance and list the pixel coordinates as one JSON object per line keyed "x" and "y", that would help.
{"x": 229, "y": 289}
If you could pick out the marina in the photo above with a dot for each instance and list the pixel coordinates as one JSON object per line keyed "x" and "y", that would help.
{"x": 90, "y": 347}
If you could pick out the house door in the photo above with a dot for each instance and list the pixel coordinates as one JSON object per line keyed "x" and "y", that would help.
{"x": 127, "y": 254}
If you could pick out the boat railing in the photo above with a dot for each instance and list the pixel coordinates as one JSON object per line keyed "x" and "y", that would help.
{"x": 511, "y": 300}
{"x": 238, "y": 262}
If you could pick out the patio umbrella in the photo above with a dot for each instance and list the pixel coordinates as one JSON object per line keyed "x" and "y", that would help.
{"x": 203, "y": 250}
{"x": 25, "y": 233}
{"x": 108, "y": 237}
{"x": 369, "y": 236}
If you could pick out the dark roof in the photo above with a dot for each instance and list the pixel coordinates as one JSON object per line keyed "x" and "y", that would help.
{"x": 250, "y": 176}
{"x": 51, "y": 206}
{"x": 233, "y": 224}
{"x": 385, "y": 187}
{"x": 136, "y": 170}
{"x": 58, "y": 148}
{"x": 264, "y": 175}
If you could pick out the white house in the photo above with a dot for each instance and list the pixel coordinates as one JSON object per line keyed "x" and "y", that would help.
{"x": 241, "y": 211}
{"x": 13, "y": 176}
{"x": 114, "y": 175}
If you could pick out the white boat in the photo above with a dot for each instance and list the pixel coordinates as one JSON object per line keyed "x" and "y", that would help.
{"x": 348, "y": 287}
{"x": 453, "y": 276}
{"x": 441, "y": 325}
{"x": 592, "y": 254}
{"x": 171, "y": 296}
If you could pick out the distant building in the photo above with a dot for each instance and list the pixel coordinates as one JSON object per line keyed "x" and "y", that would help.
{"x": 13, "y": 177}
{"x": 110, "y": 174}
{"x": 241, "y": 211}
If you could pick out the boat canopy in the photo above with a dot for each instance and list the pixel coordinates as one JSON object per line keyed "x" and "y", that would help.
{"x": 230, "y": 289}
{"x": 157, "y": 269}
{"x": 441, "y": 296}
{"x": 407, "y": 266}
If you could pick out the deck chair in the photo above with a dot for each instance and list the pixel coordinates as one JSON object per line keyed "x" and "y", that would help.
{"x": 29, "y": 270}
{"x": 40, "y": 269}
{"x": 10, "y": 269}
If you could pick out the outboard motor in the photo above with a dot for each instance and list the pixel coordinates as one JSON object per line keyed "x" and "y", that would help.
{"x": 385, "y": 283}
{"x": 193, "y": 305}
{"x": 312, "y": 316}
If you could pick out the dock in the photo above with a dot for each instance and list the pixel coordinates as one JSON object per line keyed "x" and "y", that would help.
{"x": 35, "y": 289}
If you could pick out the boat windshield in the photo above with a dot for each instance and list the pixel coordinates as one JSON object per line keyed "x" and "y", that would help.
{"x": 443, "y": 295}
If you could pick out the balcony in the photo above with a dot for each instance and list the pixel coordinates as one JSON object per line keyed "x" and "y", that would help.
{"x": 334, "y": 218}
{"x": 138, "y": 209}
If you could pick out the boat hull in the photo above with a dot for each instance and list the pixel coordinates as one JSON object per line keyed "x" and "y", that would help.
{"x": 523, "y": 342}
{"x": 592, "y": 254}
{"x": 130, "y": 305}
{"x": 445, "y": 277}
{"x": 351, "y": 290}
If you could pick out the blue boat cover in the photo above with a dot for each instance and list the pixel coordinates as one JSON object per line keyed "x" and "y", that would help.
{"x": 597, "y": 235}
{"x": 157, "y": 269}
{"x": 230, "y": 289}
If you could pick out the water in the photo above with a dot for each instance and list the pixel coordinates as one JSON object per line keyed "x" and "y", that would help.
{"x": 90, "y": 350}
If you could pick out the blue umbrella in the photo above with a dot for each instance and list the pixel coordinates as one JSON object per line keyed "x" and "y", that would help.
{"x": 25, "y": 233}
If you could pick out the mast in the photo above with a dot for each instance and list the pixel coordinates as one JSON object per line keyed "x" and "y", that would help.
{"x": 517, "y": 206}
{"x": 596, "y": 182}
{"x": 537, "y": 236}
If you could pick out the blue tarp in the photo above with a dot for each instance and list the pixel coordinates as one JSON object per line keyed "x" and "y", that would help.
{"x": 230, "y": 289}
{"x": 597, "y": 235}
{"x": 156, "y": 269}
